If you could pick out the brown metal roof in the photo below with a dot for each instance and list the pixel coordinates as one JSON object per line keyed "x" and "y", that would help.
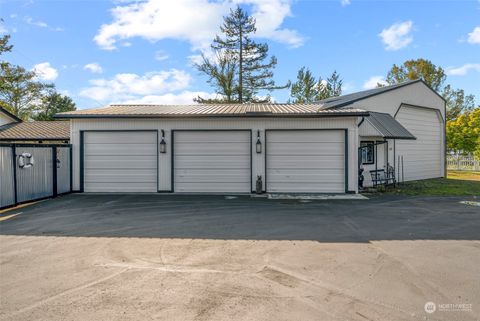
{"x": 36, "y": 130}
{"x": 210, "y": 110}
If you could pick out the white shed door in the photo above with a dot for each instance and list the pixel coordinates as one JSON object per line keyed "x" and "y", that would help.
{"x": 309, "y": 161}
{"x": 120, "y": 161}
{"x": 421, "y": 157}
{"x": 212, "y": 161}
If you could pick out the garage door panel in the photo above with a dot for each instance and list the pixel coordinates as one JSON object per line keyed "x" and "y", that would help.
{"x": 132, "y": 187}
{"x": 211, "y": 187}
{"x": 222, "y": 149}
{"x": 121, "y": 149}
{"x": 306, "y": 161}
{"x": 112, "y": 175}
{"x": 323, "y": 176}
{"x": 125, "y": 137}
{"x": 288, "y": 136}
{"x": 219, "y": 176}
{"x": 307, "y": 188}
{"x": 212, "y": 161}
{"x": 287, "y": 149}
{"x": 213, "y": 136}
{"x": 120, "y": 161}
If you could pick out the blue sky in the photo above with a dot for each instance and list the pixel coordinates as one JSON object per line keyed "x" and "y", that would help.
{"x": 100, "y": 52}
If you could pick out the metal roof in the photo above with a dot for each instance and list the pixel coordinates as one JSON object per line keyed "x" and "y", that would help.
{"x": 36, "y": 130}
{"x": 211, "y": 110}
{"x": 388, "y": 127}
{"x": 345, "y": 100}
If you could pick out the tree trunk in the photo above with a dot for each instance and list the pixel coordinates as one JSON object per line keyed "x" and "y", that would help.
{"x": 240, "y": 70}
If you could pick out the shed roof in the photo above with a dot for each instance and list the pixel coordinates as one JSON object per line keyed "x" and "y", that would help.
{"x": 345, "y": 100}
{"x": 9, "y": 114}
{"x": 36, "y": 130}
{"x": 388, "y": 127}
{"x": 211, "y": 110}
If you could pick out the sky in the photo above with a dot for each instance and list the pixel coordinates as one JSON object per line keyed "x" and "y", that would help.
{"x": 122, "y": 51}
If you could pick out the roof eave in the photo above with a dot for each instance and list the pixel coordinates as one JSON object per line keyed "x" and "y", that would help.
{"x": 330, "y": 114}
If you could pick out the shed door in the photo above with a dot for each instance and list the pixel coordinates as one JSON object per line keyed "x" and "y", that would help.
{"x": 212, "y": 161}
{"x": 309, "y": 161}
{"x": 120, "y": 161}
{"x": 422, "y": 158}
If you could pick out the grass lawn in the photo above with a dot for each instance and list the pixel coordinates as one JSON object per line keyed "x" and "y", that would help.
{"x": 457, "y": 184}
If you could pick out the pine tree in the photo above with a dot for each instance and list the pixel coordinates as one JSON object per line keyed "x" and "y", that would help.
{"x": 236, "y": 52}
{"x": 308, "y": 90}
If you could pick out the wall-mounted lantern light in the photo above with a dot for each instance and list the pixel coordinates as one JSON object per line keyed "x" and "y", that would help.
{"x": 163, "y": 144}
{"x": 259, "y": 143}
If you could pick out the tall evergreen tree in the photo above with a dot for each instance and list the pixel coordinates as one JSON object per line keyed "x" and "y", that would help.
{"x": 236, "y": 52}
{"x": 306, "y": 89}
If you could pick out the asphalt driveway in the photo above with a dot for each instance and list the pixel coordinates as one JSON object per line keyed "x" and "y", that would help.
{"x": 164, "y": 257}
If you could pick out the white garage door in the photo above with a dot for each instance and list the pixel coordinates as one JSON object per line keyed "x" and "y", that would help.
{"x": 422, "y": 158}
{"x": 120, "y": 161}
{"x": 212, "y": 161}
{"x": 309, "y": 161}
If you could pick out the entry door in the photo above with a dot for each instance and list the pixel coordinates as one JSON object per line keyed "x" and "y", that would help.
{"x": 120, "y": 161}
{"x": 305, "y": 161}
{"x": 212, "y": 161}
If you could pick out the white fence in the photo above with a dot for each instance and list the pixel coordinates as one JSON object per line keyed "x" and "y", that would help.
{"x": 463, "y": 163}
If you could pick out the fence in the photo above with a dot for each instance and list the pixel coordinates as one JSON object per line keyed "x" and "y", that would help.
{"x": 31, "y": 172}
{"x": 463, "y": 163}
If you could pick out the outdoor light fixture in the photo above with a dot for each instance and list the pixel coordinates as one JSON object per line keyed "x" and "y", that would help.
{"x": 163, "y": 144}
{"x": 259, "y": 143}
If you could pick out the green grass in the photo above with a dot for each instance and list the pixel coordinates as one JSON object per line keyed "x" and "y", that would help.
{"x": 457, "y": 184}
{"x": 464, "y": 175}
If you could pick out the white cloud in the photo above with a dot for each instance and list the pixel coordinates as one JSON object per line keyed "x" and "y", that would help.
{"x": 345, "y": 3}
{"x": 38, "y": 23}
{"x": 373, "y": 81}
{"x": 183, "y": 98}
{"x": 3, "y": 29}
{"x": 126, "y": 86}
{"x": 195, "y": 21}
{"x": 161, "y": 55}
{"x": 45, "y": 71}
{"x": 463, "y": 70}
{"x": 397, "y": 36}
{"x": 93, "y": 67}
{"x": 474, "y": 36}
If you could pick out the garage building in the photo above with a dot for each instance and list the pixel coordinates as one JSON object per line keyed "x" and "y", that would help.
{"x": 292, "y": 148}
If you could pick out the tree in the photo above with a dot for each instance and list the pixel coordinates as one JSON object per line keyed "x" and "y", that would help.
{"x": 307, "y": 89}
{"x": 463, "y": 133}
{"x": 221, "y": 77}
{"x": 332, "y": 87}
{"x": 457, "y": 102}
{"x": 239, "y": 70}
{"x": 417, "y": 69}
{"x": 51, "y": 104}
{"x": 19, "y": 89}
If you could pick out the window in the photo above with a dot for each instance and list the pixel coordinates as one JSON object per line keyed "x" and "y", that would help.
{"x": 368, "y": 152}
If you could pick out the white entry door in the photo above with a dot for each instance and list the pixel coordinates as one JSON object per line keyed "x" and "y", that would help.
{"x": 120, "y": 161}
{"x": 305, "y": 161}
{"x": 212, "y": 161}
